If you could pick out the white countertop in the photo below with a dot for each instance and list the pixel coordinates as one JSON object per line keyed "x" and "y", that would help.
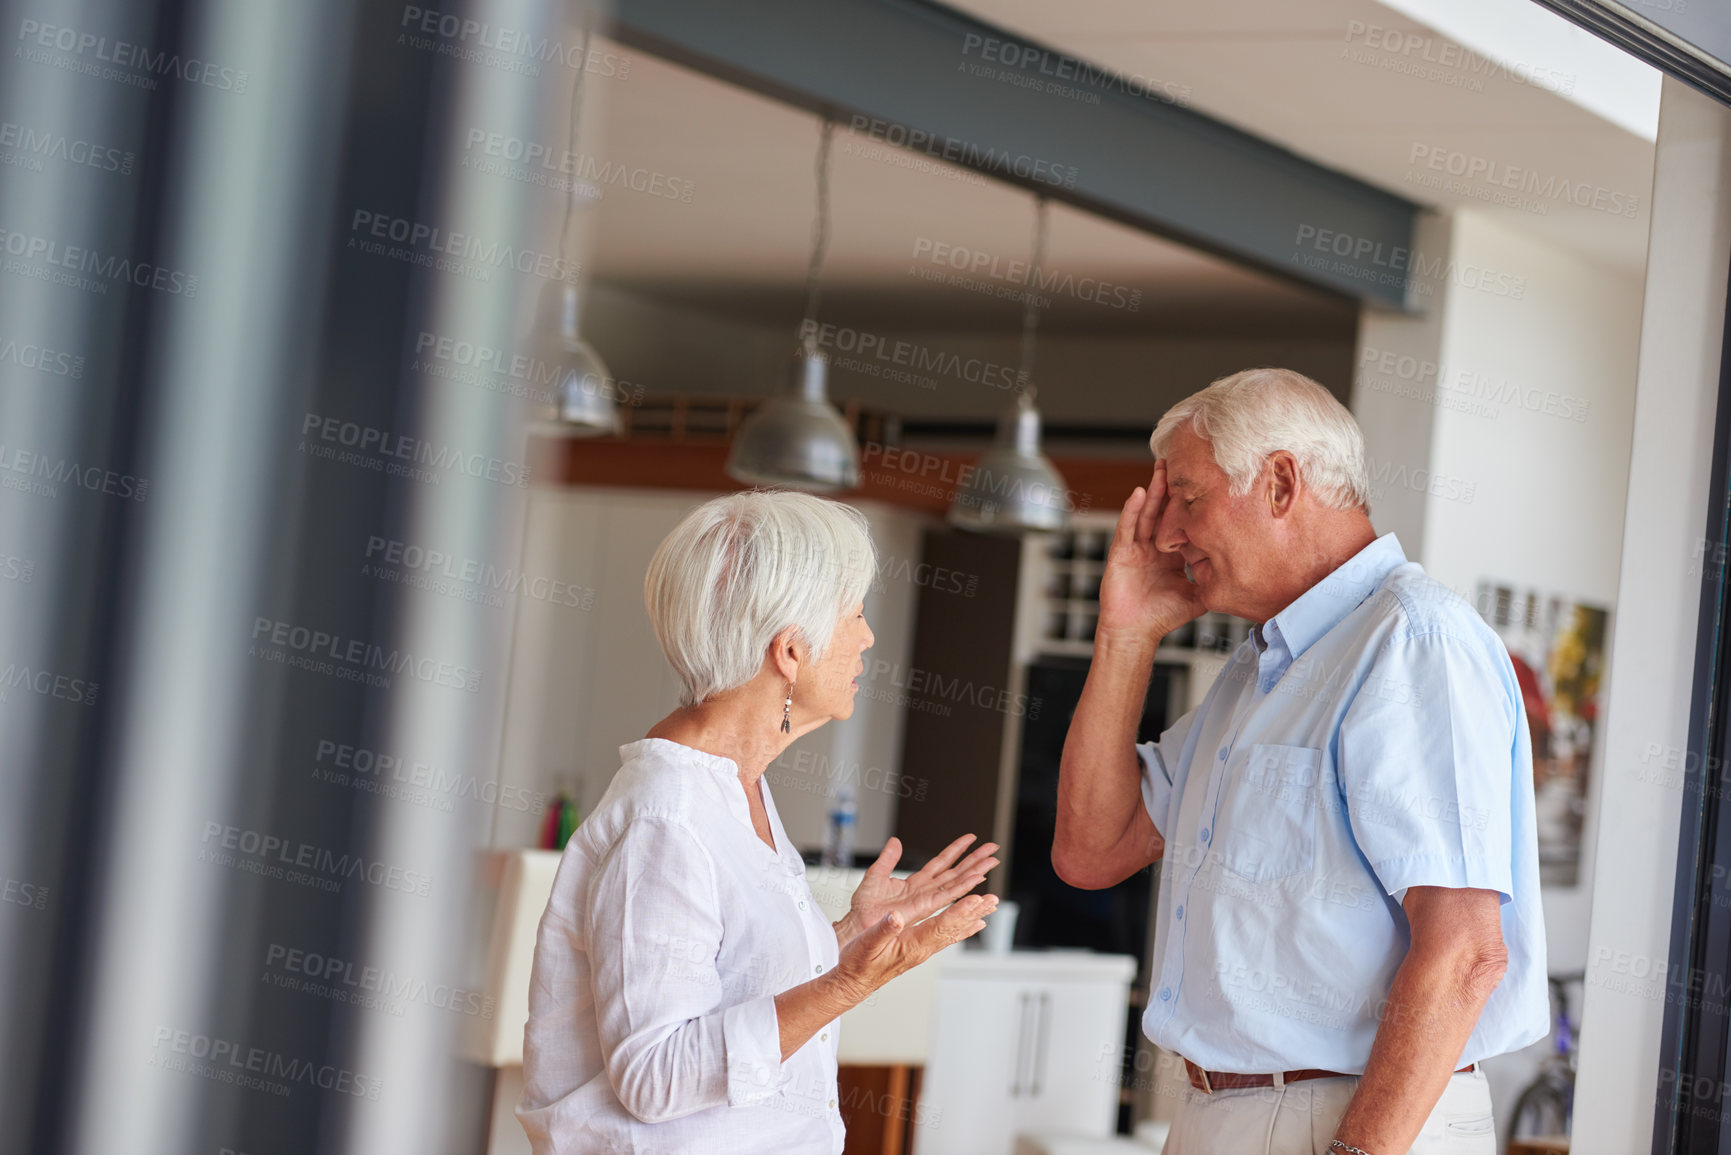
{"x": 1047, "y": 965}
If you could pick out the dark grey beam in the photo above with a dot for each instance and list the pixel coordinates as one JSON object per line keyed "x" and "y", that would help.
{"x": 931, "y": 79}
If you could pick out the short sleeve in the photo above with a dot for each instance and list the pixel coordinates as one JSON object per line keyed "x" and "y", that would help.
{"x": 1427, "y": 759}
{"x": 1157, "y": 760}
{"x": 654, "y": 930}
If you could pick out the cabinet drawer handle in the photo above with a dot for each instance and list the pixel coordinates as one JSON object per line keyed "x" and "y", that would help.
{"x": 1042, "y": 1035}
{"x": 1021, "y": 1047}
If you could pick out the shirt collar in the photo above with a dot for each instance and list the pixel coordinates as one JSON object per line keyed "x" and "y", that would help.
{"x": 715, "y": 763}
{"x": 1322, "y": 607}
{"x": 723, "y": 774}
{"x": 720, "y": 772}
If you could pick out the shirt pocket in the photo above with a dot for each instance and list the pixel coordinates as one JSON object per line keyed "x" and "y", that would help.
{"x": 1266, "y": 829}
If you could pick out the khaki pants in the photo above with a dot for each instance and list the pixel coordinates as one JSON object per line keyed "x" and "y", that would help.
{"x": 1300, "y": 1120}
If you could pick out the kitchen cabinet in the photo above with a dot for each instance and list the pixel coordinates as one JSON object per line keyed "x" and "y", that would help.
{"x": 1024, "y": 1041}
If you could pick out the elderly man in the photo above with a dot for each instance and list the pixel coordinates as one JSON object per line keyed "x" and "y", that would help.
{"x": 1349, "y": 915}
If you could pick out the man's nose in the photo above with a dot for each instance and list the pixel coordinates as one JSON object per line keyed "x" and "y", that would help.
{"x": 1168, "y": 535}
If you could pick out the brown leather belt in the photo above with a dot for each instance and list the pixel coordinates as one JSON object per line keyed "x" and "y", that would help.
{"x": 1210, "y": 1081}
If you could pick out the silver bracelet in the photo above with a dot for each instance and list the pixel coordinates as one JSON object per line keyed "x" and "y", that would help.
{"x": 1337, "y": 1145}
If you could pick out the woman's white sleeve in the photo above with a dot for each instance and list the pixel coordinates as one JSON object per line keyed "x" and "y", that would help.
{"x": 654, "y": 930}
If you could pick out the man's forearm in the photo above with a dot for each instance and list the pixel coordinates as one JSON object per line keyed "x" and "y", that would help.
{"x": 1099, "y": 786}
{"x": 1432, "y": 1007}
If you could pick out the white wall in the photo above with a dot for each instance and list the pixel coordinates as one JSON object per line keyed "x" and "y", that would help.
{"x": 585, "y": 681}
{"x": 1654, "y": 634}
{"x": 1547, "y": 489}
{"x": 1395, "y": 374}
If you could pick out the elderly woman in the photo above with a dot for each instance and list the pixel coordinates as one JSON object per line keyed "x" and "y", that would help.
{"x": 686, "y": 985}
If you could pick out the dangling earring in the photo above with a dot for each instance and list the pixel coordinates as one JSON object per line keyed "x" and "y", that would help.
{"x": 787, "y": 711}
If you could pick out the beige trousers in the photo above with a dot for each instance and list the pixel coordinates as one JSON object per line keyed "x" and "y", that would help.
{"x": 1300, "y": 1120}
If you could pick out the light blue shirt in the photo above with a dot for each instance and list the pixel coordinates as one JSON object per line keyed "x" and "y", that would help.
{"x": 1369, "y": 737}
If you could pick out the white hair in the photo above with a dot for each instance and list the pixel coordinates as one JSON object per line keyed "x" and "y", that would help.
{"x": 1255, "y": 413}
{"x": 738, "y": 570}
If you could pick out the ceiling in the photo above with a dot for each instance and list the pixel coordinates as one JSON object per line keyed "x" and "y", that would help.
{"x": 741, "y": 245}
{"x": 1314, "y": 77}
{"x": 734, "y": 240}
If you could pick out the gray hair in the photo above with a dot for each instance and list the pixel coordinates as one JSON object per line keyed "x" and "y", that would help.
{"x": 738, "y": 570}
{"x": 1255, "y": 413}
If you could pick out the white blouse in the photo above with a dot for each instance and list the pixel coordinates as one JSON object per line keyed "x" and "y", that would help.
{"x": 670, "y": 931}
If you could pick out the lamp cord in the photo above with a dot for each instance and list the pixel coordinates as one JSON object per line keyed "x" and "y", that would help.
{"x": 1030, "y": 311}
{"x": 571, "y": 143}
{"x": 819, "y": 227}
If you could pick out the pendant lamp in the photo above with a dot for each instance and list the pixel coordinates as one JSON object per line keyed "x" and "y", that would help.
{"x": 798, "y": 440}
{"x": 584, "y": 401}
{"x": 1015, "y": 488}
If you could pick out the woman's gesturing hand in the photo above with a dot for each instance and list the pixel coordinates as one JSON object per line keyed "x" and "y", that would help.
{"x": 870, "y": 959}
{"x": 934, "y": 886}
{"x": 890, "y": 946}
{"x": 1143, "y": 592}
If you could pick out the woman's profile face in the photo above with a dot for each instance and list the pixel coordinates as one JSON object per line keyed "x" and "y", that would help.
{"x": 828, "y": 691}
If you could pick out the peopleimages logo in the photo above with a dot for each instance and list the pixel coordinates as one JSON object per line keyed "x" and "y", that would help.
{"x": 930, "y": 475}
{"x": 43, "y": 475}
{"x": 394, "y": 776}
{"x": 376, "y": 448}
{"x": 929, "y": 690}
{"x": 1421, "y": 480}
{"x": 352, "y": 658}
{"x": 470, "y": 578}
{"x": 533, "y": 162}
{"x": 91, "y": 53}
{"x": 269, "y": 855}
{"x": 435, "y": 247}
{"x": 79, "y": 260}
{"x": 515, "y": 49}
{"x": 78, "y": 691}
{"x": 29, "y": 894}
{"x": 54, "y": 362}
{"x": 253, "y": 1067}
{"x": 332, "y": 977}
{"x": 1496, "y": 177}
{"x": 1433, "y": 58}
{"x": 895, "y": 358}
{"x": 1026, "y": 58}
{"x": 22, "y": 144}
{"x": 483, "y": 366}
{"x": 1366, "y": 259}
{"x": 1461, "y": 389}
{"x": 977, "y": 262}
{"x": 1001, "y": 161}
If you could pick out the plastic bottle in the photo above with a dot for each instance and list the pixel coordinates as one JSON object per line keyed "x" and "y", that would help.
{"x": 838, "y": 835}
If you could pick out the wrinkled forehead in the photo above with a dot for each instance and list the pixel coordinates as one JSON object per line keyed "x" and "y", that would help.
{"x": 1189, "y": 461}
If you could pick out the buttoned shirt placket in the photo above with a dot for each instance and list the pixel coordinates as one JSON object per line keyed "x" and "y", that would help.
{"x": 790, "y": 881}
{"x": 1172, "y": 975}
{"x": 1271, "y": 663}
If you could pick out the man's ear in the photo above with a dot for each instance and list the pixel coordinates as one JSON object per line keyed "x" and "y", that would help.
{"x": 1283, "y": 483}
{"x": 786, "y": 654}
